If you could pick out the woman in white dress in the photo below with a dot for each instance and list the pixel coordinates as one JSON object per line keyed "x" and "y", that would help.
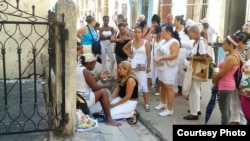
{"x": 167, "y": 67}
{"x": 186, "y": 49}
{"x": 139, "y": 54}
{"x": 155, "y": 44}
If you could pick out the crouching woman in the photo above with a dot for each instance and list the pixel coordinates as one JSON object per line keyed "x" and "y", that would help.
{"x": 123, "y": 100}
{"x": 87, "y": 87}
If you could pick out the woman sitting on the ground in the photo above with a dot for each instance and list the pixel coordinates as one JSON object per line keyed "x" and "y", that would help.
{"x": 87, "y": 87}
{"x": 124, "y": 99}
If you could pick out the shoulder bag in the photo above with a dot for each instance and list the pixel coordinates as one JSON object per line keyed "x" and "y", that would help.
{"x": 201, "y": 68}
{"x": 96, "y": 46}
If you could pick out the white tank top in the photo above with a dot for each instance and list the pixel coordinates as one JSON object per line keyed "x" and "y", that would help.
{"x": 81, "y": 84}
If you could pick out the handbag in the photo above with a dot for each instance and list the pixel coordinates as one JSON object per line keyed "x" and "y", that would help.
{"x": 96, "y": 46}
{"x": 201, "y": 68}
{"x": 176, "y": 62}
{"x": 134, "y": 63}
{"x": 82, "y": 104}
{"x": 187, "y": 81}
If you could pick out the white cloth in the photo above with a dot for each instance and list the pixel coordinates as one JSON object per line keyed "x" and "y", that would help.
{"x": 181, "y": 66}
{"x": 202, "y": 47}
{"x": 87, "y": 48}
{"x": 81, "y": 84}
{"x": 195, "y": 92}
{"x": 194, "y": 97}
{"x": 165, "y": 73}
{"x": 185, "y": 41}
{"x": 89, "y": 97}
{"x": 211, "y": 35}
{"x": 83, "y": 88}
{"x": 235, "y": 109}
{"x": 107, "y": 51}
{"x": 124, "y": 110}
{"x": 155, "y": 45}
{"x": 185, "y": 50}
{"x": 140, "y": 57}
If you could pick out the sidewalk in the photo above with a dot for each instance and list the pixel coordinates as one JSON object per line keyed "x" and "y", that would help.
{"x": 107, "y": 133}
{"x": 162, "y": 127}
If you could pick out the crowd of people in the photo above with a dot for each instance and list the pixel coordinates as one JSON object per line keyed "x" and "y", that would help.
{"x": 157, "y": 56}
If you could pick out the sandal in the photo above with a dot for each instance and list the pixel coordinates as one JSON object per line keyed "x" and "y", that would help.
{"x": 191, "y": 117}
{"x": 133, "y": 120}
{"x": 147, "y": 109}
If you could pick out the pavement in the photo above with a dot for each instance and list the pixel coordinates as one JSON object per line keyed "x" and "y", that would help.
{"x": 160, "y": 127}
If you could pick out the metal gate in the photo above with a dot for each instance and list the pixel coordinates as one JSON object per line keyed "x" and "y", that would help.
{"x": 27, "y": 44}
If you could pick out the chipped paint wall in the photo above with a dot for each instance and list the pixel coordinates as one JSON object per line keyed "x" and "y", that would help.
{"x": 24, "y": 38}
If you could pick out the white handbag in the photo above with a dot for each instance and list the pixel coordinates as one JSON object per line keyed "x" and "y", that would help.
{"x": 187, "y": 81}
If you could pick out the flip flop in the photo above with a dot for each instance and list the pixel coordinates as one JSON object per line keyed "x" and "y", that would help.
{"x": 133, "y": 120}
{"x": 147, "y": 109}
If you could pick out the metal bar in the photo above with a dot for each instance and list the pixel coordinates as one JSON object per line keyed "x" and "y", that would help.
{"x": 62, "y": 29}
{"x": 24, "y": 22}
{"x": 50, "y": 59}
{"x": 35, "y": 77}
{"x": 20, "y": 73}
{"x": 4, "y": 77}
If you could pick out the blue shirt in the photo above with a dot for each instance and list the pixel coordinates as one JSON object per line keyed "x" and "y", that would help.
{"x": 87, "y": 38}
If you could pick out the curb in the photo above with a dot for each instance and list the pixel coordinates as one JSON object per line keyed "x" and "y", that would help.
{"x": 151, "y": 128}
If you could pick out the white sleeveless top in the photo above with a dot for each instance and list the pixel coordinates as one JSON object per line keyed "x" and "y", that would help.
{"x": 81, "y": 84}
{"x": 107, "y": 33}
{"x": 164, "y": 50}
{"x": 140, "y": 55}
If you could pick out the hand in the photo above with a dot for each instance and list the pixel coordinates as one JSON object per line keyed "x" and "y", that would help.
{"x": 110, "y": 99}
{"x": 104, "y": 74}
{"x": 120, "y": 40}
{"x": 112, "y": 105}
{"x": 131, "y": 55}
{"x": 109, "y": 86}
{"x": 148, "y": 69}
{"x": 158, "y": 60}
{"x": 189, "y": 58}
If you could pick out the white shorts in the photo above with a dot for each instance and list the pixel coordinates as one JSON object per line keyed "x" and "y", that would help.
{"x": 87, "y": 48}
{"x": 89, "y": 97}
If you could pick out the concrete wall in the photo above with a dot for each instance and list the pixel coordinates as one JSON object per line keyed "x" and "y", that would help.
{"x": 69, "y": 9}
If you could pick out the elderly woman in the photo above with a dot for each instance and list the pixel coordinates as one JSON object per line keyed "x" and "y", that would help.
{"x": 167, "y": 67}
{"x": 84, "y": 34}
{"x": 186, "y": 48}
{"x": 123, "y": 101}
{"x": 87, "y": 87}
{"x": 199, "y": 54}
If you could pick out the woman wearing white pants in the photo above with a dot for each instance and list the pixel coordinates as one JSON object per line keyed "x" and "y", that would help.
{"x": 123, "y": 100}
{"x": 199, "y": 54}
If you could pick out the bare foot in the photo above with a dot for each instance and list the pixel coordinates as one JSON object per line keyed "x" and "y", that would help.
{"x": 113, "y": 123}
